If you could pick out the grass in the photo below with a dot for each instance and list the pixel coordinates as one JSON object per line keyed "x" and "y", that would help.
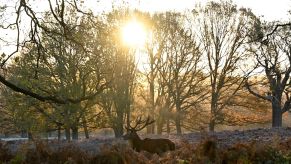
{"x": 207, "y": 151}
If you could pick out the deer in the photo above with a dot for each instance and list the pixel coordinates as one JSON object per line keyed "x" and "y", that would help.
{"x": 153, "y": 146}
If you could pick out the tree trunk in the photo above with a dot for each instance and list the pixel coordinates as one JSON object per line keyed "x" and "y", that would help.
{"x": 213, "y": 112}
{"x": 68, "y": 134}
{"x": 118, "y": 127}
{"x": 67, "y": 124}
{"x": 151, "y": 128}
{"x": 212, "y": 125}
{"x": 75, "y": 132}
{"x": 30, "y": 136}
{"x": 178, "y": 124}
{"x": 59, "y": 133}
{"x": 178, "y": 117}
{"x": 23, "y": 134}
{"x": 85, "y": 127}
{"x": 128, "y": 117}
{"x": 49, "y": 134}
{"x": 168, "y": 126}
{"x": 276, "y": 115}
{"x": 118, "y": 132}
{"x": 160, "y": 124}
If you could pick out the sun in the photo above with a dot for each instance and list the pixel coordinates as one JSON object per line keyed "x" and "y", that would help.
{"x": 134, "y": 34}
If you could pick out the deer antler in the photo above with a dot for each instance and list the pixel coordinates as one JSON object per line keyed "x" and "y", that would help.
{"x": 141, "y": 122}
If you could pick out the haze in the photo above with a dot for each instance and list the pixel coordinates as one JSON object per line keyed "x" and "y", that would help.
{"x": 271, "y": 10}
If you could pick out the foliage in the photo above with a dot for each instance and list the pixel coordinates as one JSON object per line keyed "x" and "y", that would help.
{"x": 116, "y": 100}
{"x": 223, "y": 30}
{"x": 61, "y": 68}
{"x": 71, "y": 71}
{"x": 207, "y": 151}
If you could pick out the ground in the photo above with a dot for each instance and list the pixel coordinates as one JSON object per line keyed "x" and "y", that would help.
{"x": 201, "y": 146}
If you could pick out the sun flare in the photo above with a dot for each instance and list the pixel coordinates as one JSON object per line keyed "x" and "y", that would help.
{"x": 134, "y": 34}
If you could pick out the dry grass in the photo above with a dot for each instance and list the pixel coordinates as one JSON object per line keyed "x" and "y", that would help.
{"x": 5, "y": 154}
{"x": 207, "y": 151}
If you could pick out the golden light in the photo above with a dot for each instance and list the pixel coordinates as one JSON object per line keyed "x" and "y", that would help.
{"x": 134, "y": 34}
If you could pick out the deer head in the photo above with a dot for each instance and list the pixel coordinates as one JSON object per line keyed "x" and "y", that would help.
{"x": 139, "y": 125}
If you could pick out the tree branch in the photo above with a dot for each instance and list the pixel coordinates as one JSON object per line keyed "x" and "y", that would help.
{"x": 51, "y": 98}
{"x": 247, "y": 85}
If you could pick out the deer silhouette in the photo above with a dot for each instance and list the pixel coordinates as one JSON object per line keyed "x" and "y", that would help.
{"x": 158, "y": 146}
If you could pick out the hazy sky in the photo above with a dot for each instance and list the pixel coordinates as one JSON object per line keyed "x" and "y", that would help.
{"x": 271, "y": 9}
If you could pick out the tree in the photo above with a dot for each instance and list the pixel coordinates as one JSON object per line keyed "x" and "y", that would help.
{"x": 117, "y": 99}
{"x": 19, "y": 115}
{"x": 223, "y": 31}
{"x": 155, "y": 96}
{"x": 62, "y": 68}
{"x": 274, "y": 56}
{"x": 181, "y": 69}
{"x": 61, "y": 14}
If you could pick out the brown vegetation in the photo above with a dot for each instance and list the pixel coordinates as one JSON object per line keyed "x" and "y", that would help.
{"x": 208, "y": 150}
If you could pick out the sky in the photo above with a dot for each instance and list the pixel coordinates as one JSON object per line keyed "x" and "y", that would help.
{"x": 268, "y": 10}
{"x": 271, "y": 9}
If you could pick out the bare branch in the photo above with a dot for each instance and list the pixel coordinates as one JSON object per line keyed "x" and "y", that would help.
{"x": 248, "y": 86}
{"x": 274, "y": 30}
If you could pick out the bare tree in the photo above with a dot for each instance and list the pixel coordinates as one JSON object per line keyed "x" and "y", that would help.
{"x": 223, "y": 30}
{"x": 274, "y": 56}
{"x": 181, "y": 68}
{"x": 173, "y": 72}
{"x": 154, "y": 48}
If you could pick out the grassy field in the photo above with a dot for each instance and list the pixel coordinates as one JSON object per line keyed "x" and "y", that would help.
{"x": 209, "y": 148}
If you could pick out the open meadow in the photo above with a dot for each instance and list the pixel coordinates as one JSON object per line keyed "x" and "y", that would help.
{"x": 250, "y": 146}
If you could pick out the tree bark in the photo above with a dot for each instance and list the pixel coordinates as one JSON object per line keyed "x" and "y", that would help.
{"x": 23, "y": 134}
{"x": 85, "y": 127}
{"x": 160, "y": 124}
{"x": 68, "y": 134}
{"x": 59, "y": 133}
{"x": 212, "y": 121}
{"x": 168, "y": 126}
{"x": 151, "y": 128}
{"x": 178, "y": 117}
{"x": 118, "y": 125}
{"x": 75, "y": 132}
{"x": 211, "y": 125}
{"x": 276, "y": 115}
{"x": 29, "y": 135}
{"x": 118, "y": 132}
{"x": 178, "y": 124}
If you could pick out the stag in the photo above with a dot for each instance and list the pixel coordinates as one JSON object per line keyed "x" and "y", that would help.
{"x": 158, "y": 146}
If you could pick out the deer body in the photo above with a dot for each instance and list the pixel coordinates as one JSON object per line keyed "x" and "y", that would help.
{"x": 158, "y": 146}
